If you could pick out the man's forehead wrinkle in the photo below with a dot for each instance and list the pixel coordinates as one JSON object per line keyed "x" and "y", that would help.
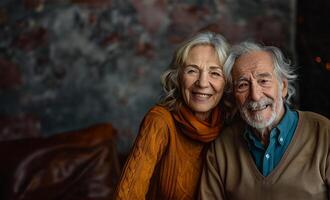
{"x": 255, "y": 75}
{"x": 262, "y": 74}
{"x": 255, "y": 71}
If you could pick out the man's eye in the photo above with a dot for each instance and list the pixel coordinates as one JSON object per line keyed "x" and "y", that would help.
{"x": 264, "y": 82}
{"x": 242, "y": 86}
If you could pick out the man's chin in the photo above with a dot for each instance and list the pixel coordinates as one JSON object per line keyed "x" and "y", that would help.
{"x": 259, "y": 123}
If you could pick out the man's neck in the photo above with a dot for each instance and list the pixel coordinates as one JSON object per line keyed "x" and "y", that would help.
{"x": 263, "y": 134}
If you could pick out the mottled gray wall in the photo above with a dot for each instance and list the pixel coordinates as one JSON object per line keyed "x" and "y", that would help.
{"x": 66, "y": 64}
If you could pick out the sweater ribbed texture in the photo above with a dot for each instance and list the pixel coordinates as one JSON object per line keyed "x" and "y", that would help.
{"x": 165, "y": 163}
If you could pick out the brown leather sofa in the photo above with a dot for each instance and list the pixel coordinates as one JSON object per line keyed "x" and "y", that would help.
{"x": 77, "y": 165}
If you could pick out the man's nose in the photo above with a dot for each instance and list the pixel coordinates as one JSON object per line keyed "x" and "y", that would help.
{"x": 255, "y": 92}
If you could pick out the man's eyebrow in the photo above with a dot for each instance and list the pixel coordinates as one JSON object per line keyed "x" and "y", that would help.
{"x": 241, "y": 79}
{"x": 264, "y": 75}
{"x": 260, "y": 75}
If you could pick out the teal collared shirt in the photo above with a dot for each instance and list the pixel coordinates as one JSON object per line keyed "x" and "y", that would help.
{"x": 267, "y": 158}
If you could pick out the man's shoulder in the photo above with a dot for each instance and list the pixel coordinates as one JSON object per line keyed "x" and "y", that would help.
{"x": 314, "y": 118}
{"x": 311, "y": 123}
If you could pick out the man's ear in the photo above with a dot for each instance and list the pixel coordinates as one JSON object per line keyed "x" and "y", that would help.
{"x": 284, "y": 88}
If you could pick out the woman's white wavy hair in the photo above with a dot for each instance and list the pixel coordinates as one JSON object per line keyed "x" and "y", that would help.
{"x": 170, "y": 79}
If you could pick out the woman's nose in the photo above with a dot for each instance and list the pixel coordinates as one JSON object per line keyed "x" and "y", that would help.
{"x": 203, "y": 80}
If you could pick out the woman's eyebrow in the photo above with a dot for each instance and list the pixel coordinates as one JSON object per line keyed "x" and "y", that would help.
{"x": 216, "y": 67}
{"x": 191, "y": 65}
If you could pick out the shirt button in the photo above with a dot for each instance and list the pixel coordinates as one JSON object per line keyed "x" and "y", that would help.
{"x": 267, "y": 156}
{"x": 281, "y": 139}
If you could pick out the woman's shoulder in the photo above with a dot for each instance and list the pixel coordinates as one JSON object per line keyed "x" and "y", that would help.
{"x": 159, "y": 114}
{"x": 159, "y": 111}
{"x": 157, "y": 121}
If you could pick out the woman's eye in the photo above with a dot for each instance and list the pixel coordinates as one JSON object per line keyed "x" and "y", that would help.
{"x": 191, "y": 70}
{"x": 216, "y": 73}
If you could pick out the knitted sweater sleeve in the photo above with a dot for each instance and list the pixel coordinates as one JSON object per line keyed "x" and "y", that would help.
{"x": 148, "y": 148}
{"x": 211, "y": 184}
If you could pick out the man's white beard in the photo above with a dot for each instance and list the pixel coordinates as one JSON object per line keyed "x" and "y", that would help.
{"x": 257, "y": 121}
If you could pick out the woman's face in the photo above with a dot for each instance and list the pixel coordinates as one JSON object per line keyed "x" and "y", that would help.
{"x": 202, "y": 80}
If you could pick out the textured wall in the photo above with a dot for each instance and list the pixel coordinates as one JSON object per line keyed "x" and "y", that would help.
{"x": 66, "y": 64}
{"x": 313, "y": 50}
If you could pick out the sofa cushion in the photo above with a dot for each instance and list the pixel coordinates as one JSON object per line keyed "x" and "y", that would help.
{"x": 77, "y": 165}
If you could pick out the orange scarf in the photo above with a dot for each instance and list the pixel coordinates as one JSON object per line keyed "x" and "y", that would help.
{"x": 198, "y": 129}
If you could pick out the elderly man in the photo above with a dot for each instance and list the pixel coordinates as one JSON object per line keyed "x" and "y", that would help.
{"x": 271, "y": 151}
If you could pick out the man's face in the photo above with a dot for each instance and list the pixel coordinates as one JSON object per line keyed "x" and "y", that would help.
{"x": 257, "y": 90}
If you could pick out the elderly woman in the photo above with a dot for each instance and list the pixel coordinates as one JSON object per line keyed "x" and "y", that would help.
{"x": 166, "y": 159}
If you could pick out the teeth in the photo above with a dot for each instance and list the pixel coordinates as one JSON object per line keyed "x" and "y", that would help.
{"x": 259, "y": 108}
{"x": 202, "y": 95}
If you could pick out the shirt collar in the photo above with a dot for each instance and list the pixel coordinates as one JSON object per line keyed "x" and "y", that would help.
{"x": 280, "y": 131}
{"x": 251, "y": 138}
{"x": 286, "y": 124}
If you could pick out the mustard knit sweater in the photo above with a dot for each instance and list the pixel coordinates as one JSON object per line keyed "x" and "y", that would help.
{"x": 164, "y": 163}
